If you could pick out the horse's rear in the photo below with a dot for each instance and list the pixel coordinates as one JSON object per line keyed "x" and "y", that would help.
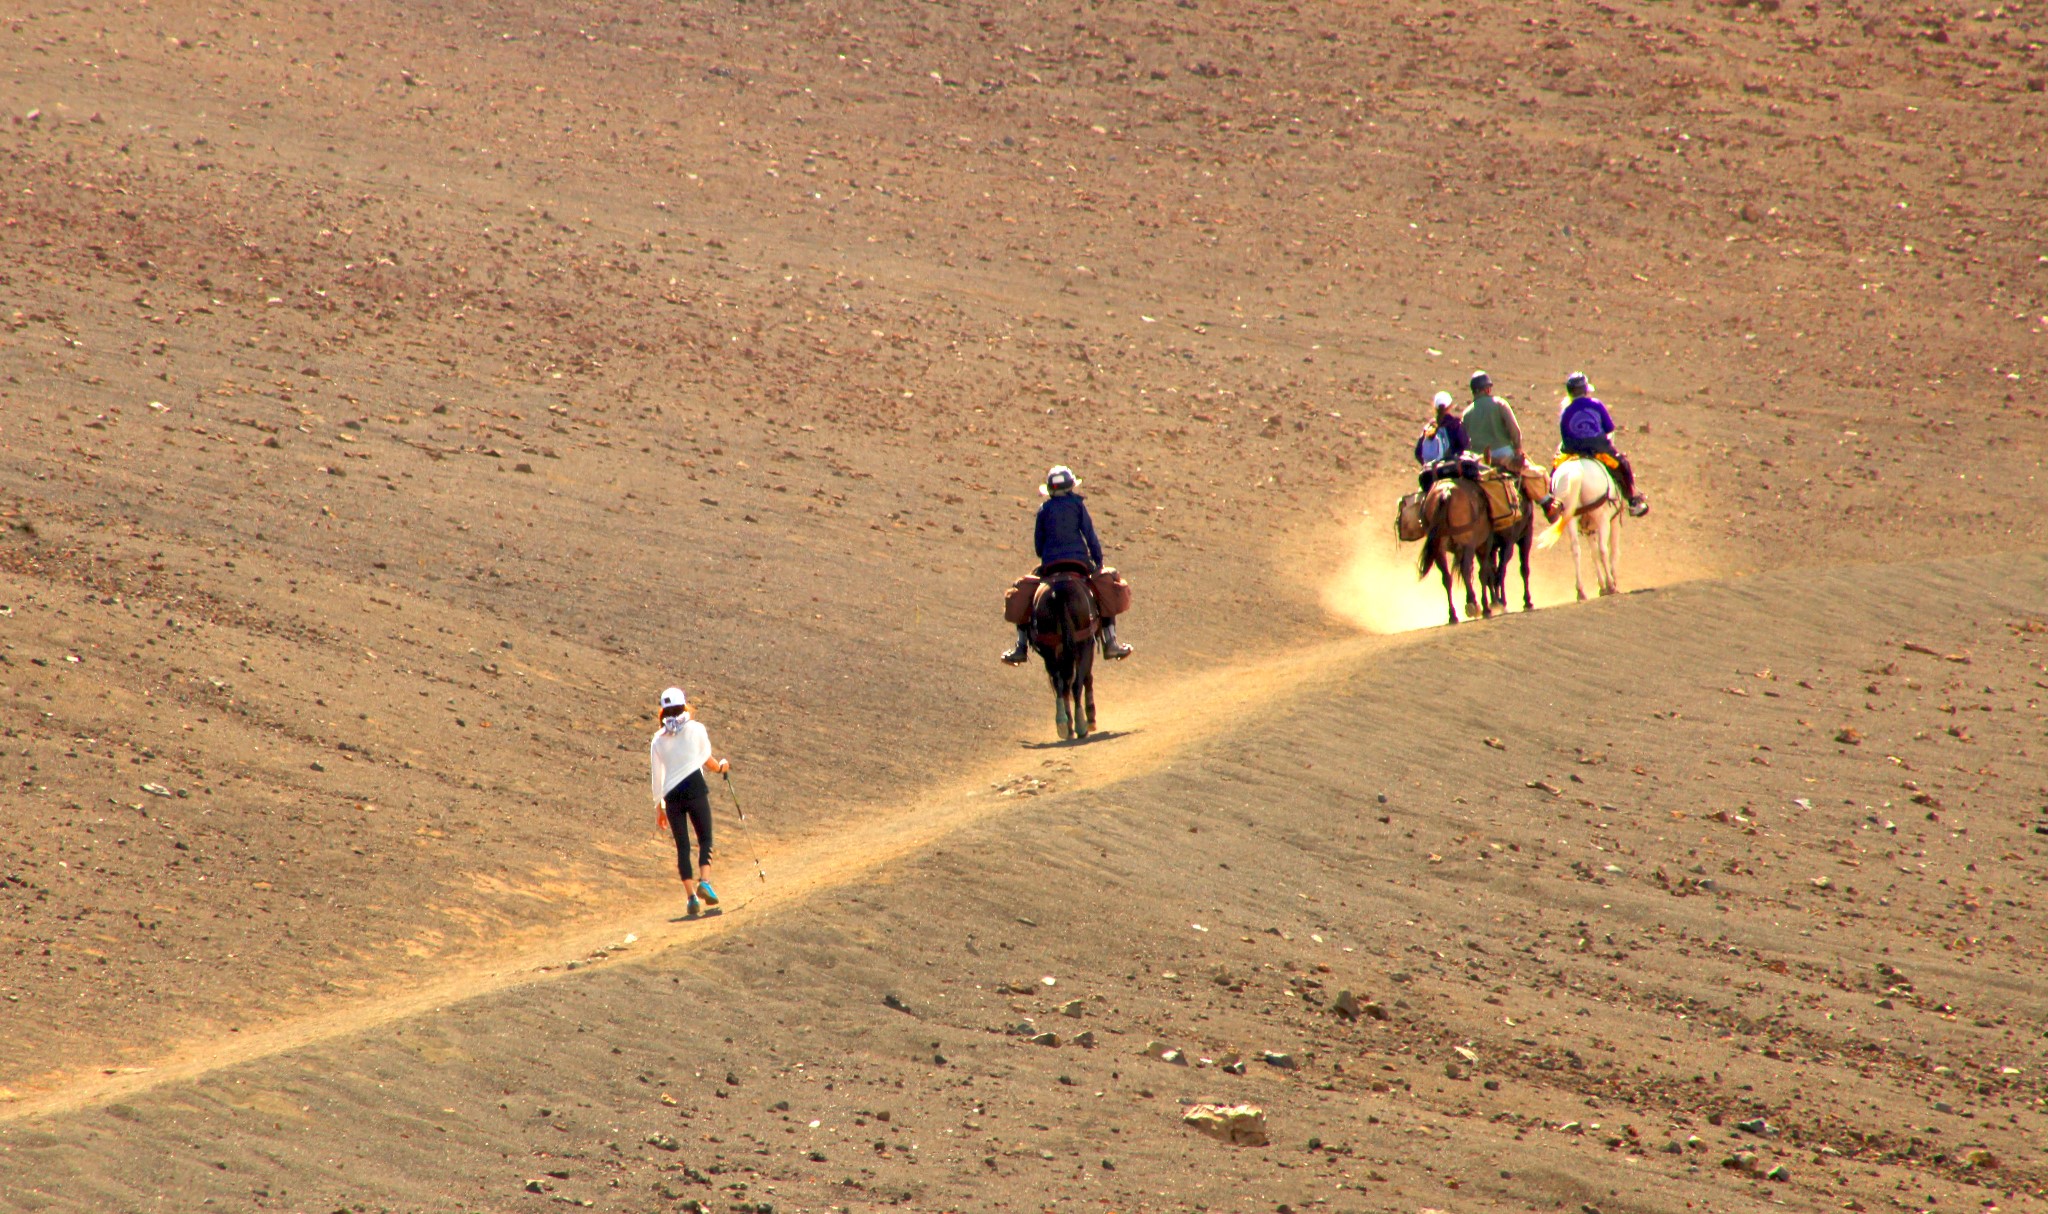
{"x": 1063, "y": 626}
{"x": 1459, "y": 529}
{"x": 1588, "y": 502}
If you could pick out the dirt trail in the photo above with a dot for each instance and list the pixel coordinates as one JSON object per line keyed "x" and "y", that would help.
{"x": 1142, "y": 732}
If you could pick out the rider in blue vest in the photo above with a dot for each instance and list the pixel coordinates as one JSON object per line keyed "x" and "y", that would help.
{"x": 1585, "y": 428}
{"x": 1066, "y": 534}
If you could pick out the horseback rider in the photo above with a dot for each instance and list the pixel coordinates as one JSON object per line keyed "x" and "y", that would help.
{"x": 1491, "y": 426}
{"x": 1065, "y": 536}
{"x": 1443, "y": 438}
{"x": 1586, "y": 428}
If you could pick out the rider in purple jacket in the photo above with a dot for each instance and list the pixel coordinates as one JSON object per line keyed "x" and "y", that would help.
{"x": 1586, "y": 428}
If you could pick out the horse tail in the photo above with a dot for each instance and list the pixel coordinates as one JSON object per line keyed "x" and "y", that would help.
{"x": 1569, "y": 504}
{"x": 1434, "y": 522}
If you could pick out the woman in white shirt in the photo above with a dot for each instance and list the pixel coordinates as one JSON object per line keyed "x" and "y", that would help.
{"x": 679, "y": 756}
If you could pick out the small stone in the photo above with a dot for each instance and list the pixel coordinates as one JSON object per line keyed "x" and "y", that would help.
{"x": 1980, "y": 1157}
{"x": 1175, "y": 1057}
{"x": 894, "y": 1000}
{"x": 536, "y": 1186}
{"x": 1742, "y": 1161}
{"x": 1755, "y": 1125}
{"x": 1849, "y": 736}
{"x": 1086, "y": 1039}
{"x": 1071, "y": 1007}
{"x": 1051, "y": 1039}
{"x": 1345, "y": 1004}
{"x": 1155, "y": 1049}
{"x": 1886, "y": 1004}
{"x": 1453, "y": 1071}
{"x": 662, "y": 1142}
{"x": 1491, "y": 1085}
{"x": 1943, "y": 1106}
{"x": 1375, "y": 1011}
{"x": 1674, "y": 1147}
{"x": 1237, "y": 1124}
{"x": 1779, "y": 1173}
{"x": 1285, "y": 1062}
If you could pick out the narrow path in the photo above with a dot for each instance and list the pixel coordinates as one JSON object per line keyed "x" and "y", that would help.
{"x": 1151, "y": 726}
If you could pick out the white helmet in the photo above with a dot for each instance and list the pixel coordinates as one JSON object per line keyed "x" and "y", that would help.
{"x": 1060, "y": 480}
{"x": 1443, "y": 400}
{"x": 674, "y": 698}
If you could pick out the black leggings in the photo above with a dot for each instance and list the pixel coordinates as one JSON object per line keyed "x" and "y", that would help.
{"x": 689, "y": 805}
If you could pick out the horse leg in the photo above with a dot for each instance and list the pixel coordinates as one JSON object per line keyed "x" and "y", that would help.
{"x": 1614, "y": 553}
{"x": 1578, "y": 573}
{"x": 1527, "y": 541}
{"x": 1443, "y": 567}
{"x": 1465, "y": 559}
{"x": 1057, "y": 668}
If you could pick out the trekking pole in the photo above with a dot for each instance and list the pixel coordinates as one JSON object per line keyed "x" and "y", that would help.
{"x": 727, "y": 777}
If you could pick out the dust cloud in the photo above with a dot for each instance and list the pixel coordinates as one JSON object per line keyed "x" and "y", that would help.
{"x": 1374, "y": 587}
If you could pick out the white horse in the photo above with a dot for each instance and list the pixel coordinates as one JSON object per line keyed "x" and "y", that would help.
{"x": 1585, "y": 494}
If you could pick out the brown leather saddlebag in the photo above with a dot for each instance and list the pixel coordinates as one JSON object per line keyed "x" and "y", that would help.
{"x": 1408, "y": 518}
{"x": 1112, "y": 592}
{"x": 1503, "y": 498}
{"x": 1017, "y": 600}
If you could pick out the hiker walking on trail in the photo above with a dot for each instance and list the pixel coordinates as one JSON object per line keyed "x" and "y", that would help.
{"x": 679, "y": 756}
{"x": 1490, "y": 426}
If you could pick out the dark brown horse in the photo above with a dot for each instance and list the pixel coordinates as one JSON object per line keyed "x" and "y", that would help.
{"x": 1535, "y": 490}
{"x": 1063, "y": 625}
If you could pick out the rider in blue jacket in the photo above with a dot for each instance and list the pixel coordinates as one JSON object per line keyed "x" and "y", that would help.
{"x": 1065, "y": 534}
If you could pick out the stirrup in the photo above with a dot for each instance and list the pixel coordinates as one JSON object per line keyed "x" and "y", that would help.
{"x": 1017, "y": 656}
{"x": 1638, "y": 506}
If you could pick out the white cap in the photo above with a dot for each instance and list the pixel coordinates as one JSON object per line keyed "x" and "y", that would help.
{"x": 1061, "y": 477}
{"x": 674, "y": 698}
{"x": 1443, "y": 400}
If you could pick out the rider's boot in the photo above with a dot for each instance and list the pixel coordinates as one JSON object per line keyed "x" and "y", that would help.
{"x": 1638, "y": 505}
{"x": 1022, "y": 649}
{"x": 1111, "y": 647}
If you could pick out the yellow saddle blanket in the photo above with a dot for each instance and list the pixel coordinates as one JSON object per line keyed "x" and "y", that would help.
{"x": 1566, "y": 457}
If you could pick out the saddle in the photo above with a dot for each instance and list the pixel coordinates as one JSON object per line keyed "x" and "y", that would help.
{"x": 1599, "y": 457}
{"x": 1112, "y": 594}
{"x": 1462, "y": 468}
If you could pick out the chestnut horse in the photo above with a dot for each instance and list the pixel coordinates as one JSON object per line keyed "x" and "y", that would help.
{"x": 1458, "y": 528}
{"x": 1064, "y": 620}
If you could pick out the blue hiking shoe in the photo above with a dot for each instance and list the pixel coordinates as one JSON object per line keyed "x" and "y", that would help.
{"x": 705, "y": 892}
{"x": 690, "y": 908}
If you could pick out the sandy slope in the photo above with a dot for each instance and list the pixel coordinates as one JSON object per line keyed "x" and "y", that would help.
{"x": 1639, "y": 959}
{"x": 392, "y": 398}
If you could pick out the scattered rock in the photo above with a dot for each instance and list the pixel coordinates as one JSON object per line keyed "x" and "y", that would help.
{"x": 662, "y": 1142}
{"x": 1242, "y": 1125}
{"x": 1376, "y": 1012}
{"x": 1285, "y": 1062}
{"x": 1085, "y": 1039}
{"x": 1175, "y": 1057}
{"x": 1051, "y": 1039}
{"x": 1979, "y": 1157}
{"x": 896, "y": 1001}
{"x": 1742, "y": 1161}
{"x": 1849, "y": 735}
{"x": 1779, "y": 1173}
{"x": 1071, "y": 1007}
{"x": 1345, "y": 1005}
